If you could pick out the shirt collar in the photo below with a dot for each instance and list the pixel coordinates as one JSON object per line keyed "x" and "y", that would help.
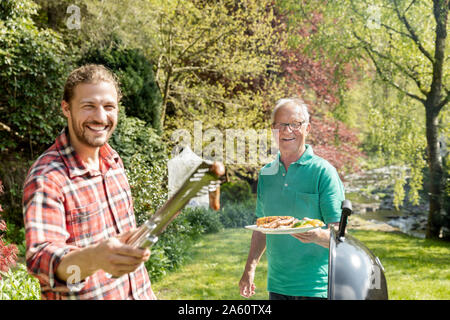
{"x": 304, "y": 159}
{"x": 71, "y": 159}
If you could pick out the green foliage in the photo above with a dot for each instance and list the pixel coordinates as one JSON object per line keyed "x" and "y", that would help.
{"x": 143, "y": 155}
{"x": 19, "y": 285}
{"x": 238, "y": 214}
{"x": 396, "y": 138}
{"x": 238, "y": 204}
{"x": 141, "y": 96}
{"x": 208, "y": 219}
{"x": 239, "y": 191}
{"x": 33, "y": 63}
{"x": 215, "y": 61}
{"x": 13, "y": 170}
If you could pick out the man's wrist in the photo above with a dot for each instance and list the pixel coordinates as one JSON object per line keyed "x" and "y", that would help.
{"x": 81, "y": 261}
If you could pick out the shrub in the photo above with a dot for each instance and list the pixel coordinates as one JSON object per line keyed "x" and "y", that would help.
{"x": 19, "y": 285}
{"x": 208, "y": 219}
{"x": 238, "y": 214}
{"x": 8, "y": 252}
{"x": 33, "y": 63}
{"x": 239, "y": 191}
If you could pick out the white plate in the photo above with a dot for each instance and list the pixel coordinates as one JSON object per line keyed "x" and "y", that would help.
{"x": 280, "y": 231}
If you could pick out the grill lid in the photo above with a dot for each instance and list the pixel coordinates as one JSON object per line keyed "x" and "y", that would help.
{"x": 354, "y": 272}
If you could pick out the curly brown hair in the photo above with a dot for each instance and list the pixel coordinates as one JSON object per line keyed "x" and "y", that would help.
{"x": 90, "y": 73}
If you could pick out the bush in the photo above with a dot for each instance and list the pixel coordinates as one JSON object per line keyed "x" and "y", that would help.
{"x": 208, "y": 219}
{"x": 33, "y": 65}
{"x": 19, "y": 285}
{"x": 238, "y": 214}
{"x": 239, "y": 191}
{"x": 8, "y": 252}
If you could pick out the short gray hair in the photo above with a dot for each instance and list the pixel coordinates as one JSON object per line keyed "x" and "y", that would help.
{"x": 291, "y": 101}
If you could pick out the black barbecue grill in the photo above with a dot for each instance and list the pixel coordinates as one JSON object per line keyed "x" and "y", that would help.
{"x": 354, "y": 272}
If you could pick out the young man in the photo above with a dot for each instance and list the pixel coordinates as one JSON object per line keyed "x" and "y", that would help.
{"x": 78, "y": 209}
{"x": 299, "y": 184}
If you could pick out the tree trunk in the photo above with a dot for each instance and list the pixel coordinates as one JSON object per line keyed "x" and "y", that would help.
{"x": 433, "y": 107}
{"x": 436, "y": 174}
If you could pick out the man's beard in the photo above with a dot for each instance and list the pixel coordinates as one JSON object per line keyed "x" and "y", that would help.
{"x": 86, "y": 139}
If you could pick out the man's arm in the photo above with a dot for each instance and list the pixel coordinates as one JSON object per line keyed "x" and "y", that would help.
{"x": 49, "y": 257}
{"x": 257, "y": 248}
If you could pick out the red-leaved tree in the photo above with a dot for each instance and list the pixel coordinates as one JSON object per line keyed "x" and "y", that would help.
{"x": 8, "y": 252}
{"x": 318, "y": 79}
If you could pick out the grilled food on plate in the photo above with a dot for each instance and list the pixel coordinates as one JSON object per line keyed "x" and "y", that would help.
{"x": 285, "y": 222}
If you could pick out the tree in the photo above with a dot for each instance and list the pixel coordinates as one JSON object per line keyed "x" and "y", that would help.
{"x": 211, "y": 58}
{"x": 320, "y": 78}
{"x": 215, "y": 62}
{"x": 404, "y": 42}
{"x": 407, "y": 41}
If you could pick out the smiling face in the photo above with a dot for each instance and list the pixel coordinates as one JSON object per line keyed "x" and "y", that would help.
{"x": 291, "y": 142}
{"x": 92, "y": 113}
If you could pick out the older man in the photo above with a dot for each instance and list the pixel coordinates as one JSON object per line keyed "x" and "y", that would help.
{"x": 77, "y": 202}
{"x": 299, "y": 184}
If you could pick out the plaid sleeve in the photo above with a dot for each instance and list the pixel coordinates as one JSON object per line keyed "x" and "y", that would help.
{"x": 45, "y": 231}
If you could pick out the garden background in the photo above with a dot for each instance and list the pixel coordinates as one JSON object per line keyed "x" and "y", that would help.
{"x": 375, "y": 75}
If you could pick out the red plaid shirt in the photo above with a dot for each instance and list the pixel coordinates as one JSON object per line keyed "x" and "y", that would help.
{"x": 67, "y": 207}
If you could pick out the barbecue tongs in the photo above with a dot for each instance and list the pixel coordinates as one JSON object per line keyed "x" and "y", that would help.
{"x": 206, "y": 175}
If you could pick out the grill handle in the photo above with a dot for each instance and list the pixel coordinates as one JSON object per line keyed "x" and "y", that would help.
{"x": 346, "y": 207}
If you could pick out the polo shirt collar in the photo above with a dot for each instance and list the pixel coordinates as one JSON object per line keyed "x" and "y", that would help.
{"x": 72, "y": 160}
{"x": 306, "y": 157}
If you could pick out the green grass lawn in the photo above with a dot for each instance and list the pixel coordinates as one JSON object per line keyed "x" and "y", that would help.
{"x": 414, "y": 268}
{"x": 214, "y": 269}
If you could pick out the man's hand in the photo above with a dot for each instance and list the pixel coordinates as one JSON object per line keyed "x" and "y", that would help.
{"x": 112, "y": 255}
{"x": 246, "y": 285}
{"x": 117, "y": 258}
{"x": 318, "y": 236}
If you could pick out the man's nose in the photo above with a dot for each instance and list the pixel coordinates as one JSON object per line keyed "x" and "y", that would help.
{"x": 100, "y": 114}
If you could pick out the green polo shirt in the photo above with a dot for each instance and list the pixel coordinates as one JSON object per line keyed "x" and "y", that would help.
{"x": 310, "y": 188}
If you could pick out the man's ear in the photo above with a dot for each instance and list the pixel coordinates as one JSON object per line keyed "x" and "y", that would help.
{"x": 308, "y": 128}
{"x": 65, "y": 108}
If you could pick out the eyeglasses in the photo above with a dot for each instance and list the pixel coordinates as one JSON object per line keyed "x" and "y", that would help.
{"x": 293, "y": 125}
